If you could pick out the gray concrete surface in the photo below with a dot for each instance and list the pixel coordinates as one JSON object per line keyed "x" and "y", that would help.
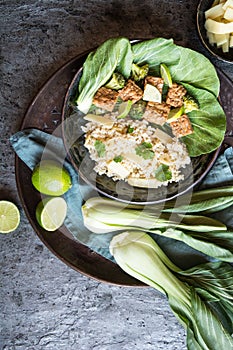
{"x": 45, "y": 305}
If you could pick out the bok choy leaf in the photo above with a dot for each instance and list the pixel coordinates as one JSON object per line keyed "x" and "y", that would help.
{"x": 203, "y": 201}
{"x": 139, "y": 256}
{"x": 113, "y": 55}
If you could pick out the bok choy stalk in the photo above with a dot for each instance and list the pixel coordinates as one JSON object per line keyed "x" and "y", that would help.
{"x": 105, "y": 210}
{"x": 139, "y": 256}
{"x": 207, "y": 235}
{"x": 204, "y": 201}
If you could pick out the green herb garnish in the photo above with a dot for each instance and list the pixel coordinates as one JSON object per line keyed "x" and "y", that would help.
{"x": 144, "y": 150}
{"x": 118, "y": 159}
{"x": 130, "y": 129}
{"x": 162, "y": 173}
{"x": 100, "y": 148}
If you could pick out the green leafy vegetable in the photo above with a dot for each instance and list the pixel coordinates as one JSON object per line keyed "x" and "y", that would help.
{"x": 113, "y": 55}
{"x": 214, "y": 243}
{"x": 187, "y": 67}
{"x": 208, "y": 122}
{"x": 166, "y": 52}
{"x": 118, "y": 159}
{"x": 139, "y": 256}
{"x": 205, "y": 234}
{"x": 130, "y": 129}
{"x": 162, "y": 173}
{"x": 209, "y": 205}
{"x": 144, "y": 150}
{"x": 195, "y": 69}
{"x": 100, "y": 148}
{"x": 213, "y": 281}
{"x": 205, "y": 201}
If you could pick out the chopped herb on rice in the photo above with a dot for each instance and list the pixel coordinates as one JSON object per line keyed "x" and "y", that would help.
{"x": 140, "y": 154}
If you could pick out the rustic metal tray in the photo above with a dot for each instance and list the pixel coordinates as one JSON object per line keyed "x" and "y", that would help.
{"x": 44, "y": 113}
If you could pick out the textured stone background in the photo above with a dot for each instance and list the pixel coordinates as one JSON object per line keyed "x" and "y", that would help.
{"x": 44, "y": 304}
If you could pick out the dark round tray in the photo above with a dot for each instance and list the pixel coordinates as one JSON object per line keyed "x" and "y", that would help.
{"x": 44, "y": 113}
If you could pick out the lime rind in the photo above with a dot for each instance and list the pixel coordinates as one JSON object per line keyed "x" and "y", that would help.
{"x": 50, "y": 178}
{"x": 175, "y": 113}
{"x": 165, "y": 74}
{"x": 9, "y": 217}
{"x": 124, "y": 109}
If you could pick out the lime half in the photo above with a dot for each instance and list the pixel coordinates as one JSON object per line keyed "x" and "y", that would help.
{"x": 51, "y": 213}
{"x": 165, "y": 74}
{"x": 9, "y": 217}
{"x": 50, "y": 178}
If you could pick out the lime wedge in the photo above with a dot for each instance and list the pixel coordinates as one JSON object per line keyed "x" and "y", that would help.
{"x": 165, "y": 74}
{"x": 50, "y": 178}
{"x": 9, "y": 216}
{"x": 51, "y": 213}
{"x": 124, "y": 109}
{"x": 175, "y": 113}
{"x": 151, "y": 93}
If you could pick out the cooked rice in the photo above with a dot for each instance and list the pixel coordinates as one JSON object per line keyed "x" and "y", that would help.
{"x": 119, "y": 142}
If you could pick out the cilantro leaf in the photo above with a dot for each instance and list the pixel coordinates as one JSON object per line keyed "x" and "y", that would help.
{"x": 130, "y": 129}
{"x": 100, "y": 148}
{"x": 118, "y": 159}
{"x": 144, "y": 150}
{"x": 162, "y": 173}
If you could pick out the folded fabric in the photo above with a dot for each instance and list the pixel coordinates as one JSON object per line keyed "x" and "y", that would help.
{"x": 31, "y": 145}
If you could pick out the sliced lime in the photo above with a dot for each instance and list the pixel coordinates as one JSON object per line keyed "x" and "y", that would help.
{"x": 50, "y": 178}
{"x": 151, "y": 93}
{"x": 124, "y": 109}
{"x": 165, "y": 74}
{"x": 175, "y": 113}
{"x": 51, "y": 213}
{"x": 9, "y": 216}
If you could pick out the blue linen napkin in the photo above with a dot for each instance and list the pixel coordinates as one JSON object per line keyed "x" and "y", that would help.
{"x": 31, "y": 145}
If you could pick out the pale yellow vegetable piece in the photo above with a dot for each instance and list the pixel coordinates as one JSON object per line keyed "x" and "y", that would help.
{"x": 228, "y": 15}
{"x": 225, "y": 47}
{"x": 218, "y": 28}
{"x": 211, "y": 38}
{"x": 215, "y": 12}
{"x": 99, "y": 119}
{"x": 228, "y": 3}
{"x": 118, "y": 169}
{"x": 231, "y": 41}
{"x": 162, "y": 136}
{"x": 133, "y": 157}
{"x": 221, "y": 39}
{"x": 219, "y": 24}
{"x": 139, "y": 182}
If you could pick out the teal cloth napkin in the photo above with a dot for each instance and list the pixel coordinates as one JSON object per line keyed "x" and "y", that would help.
{"x": 29, "y": 146}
